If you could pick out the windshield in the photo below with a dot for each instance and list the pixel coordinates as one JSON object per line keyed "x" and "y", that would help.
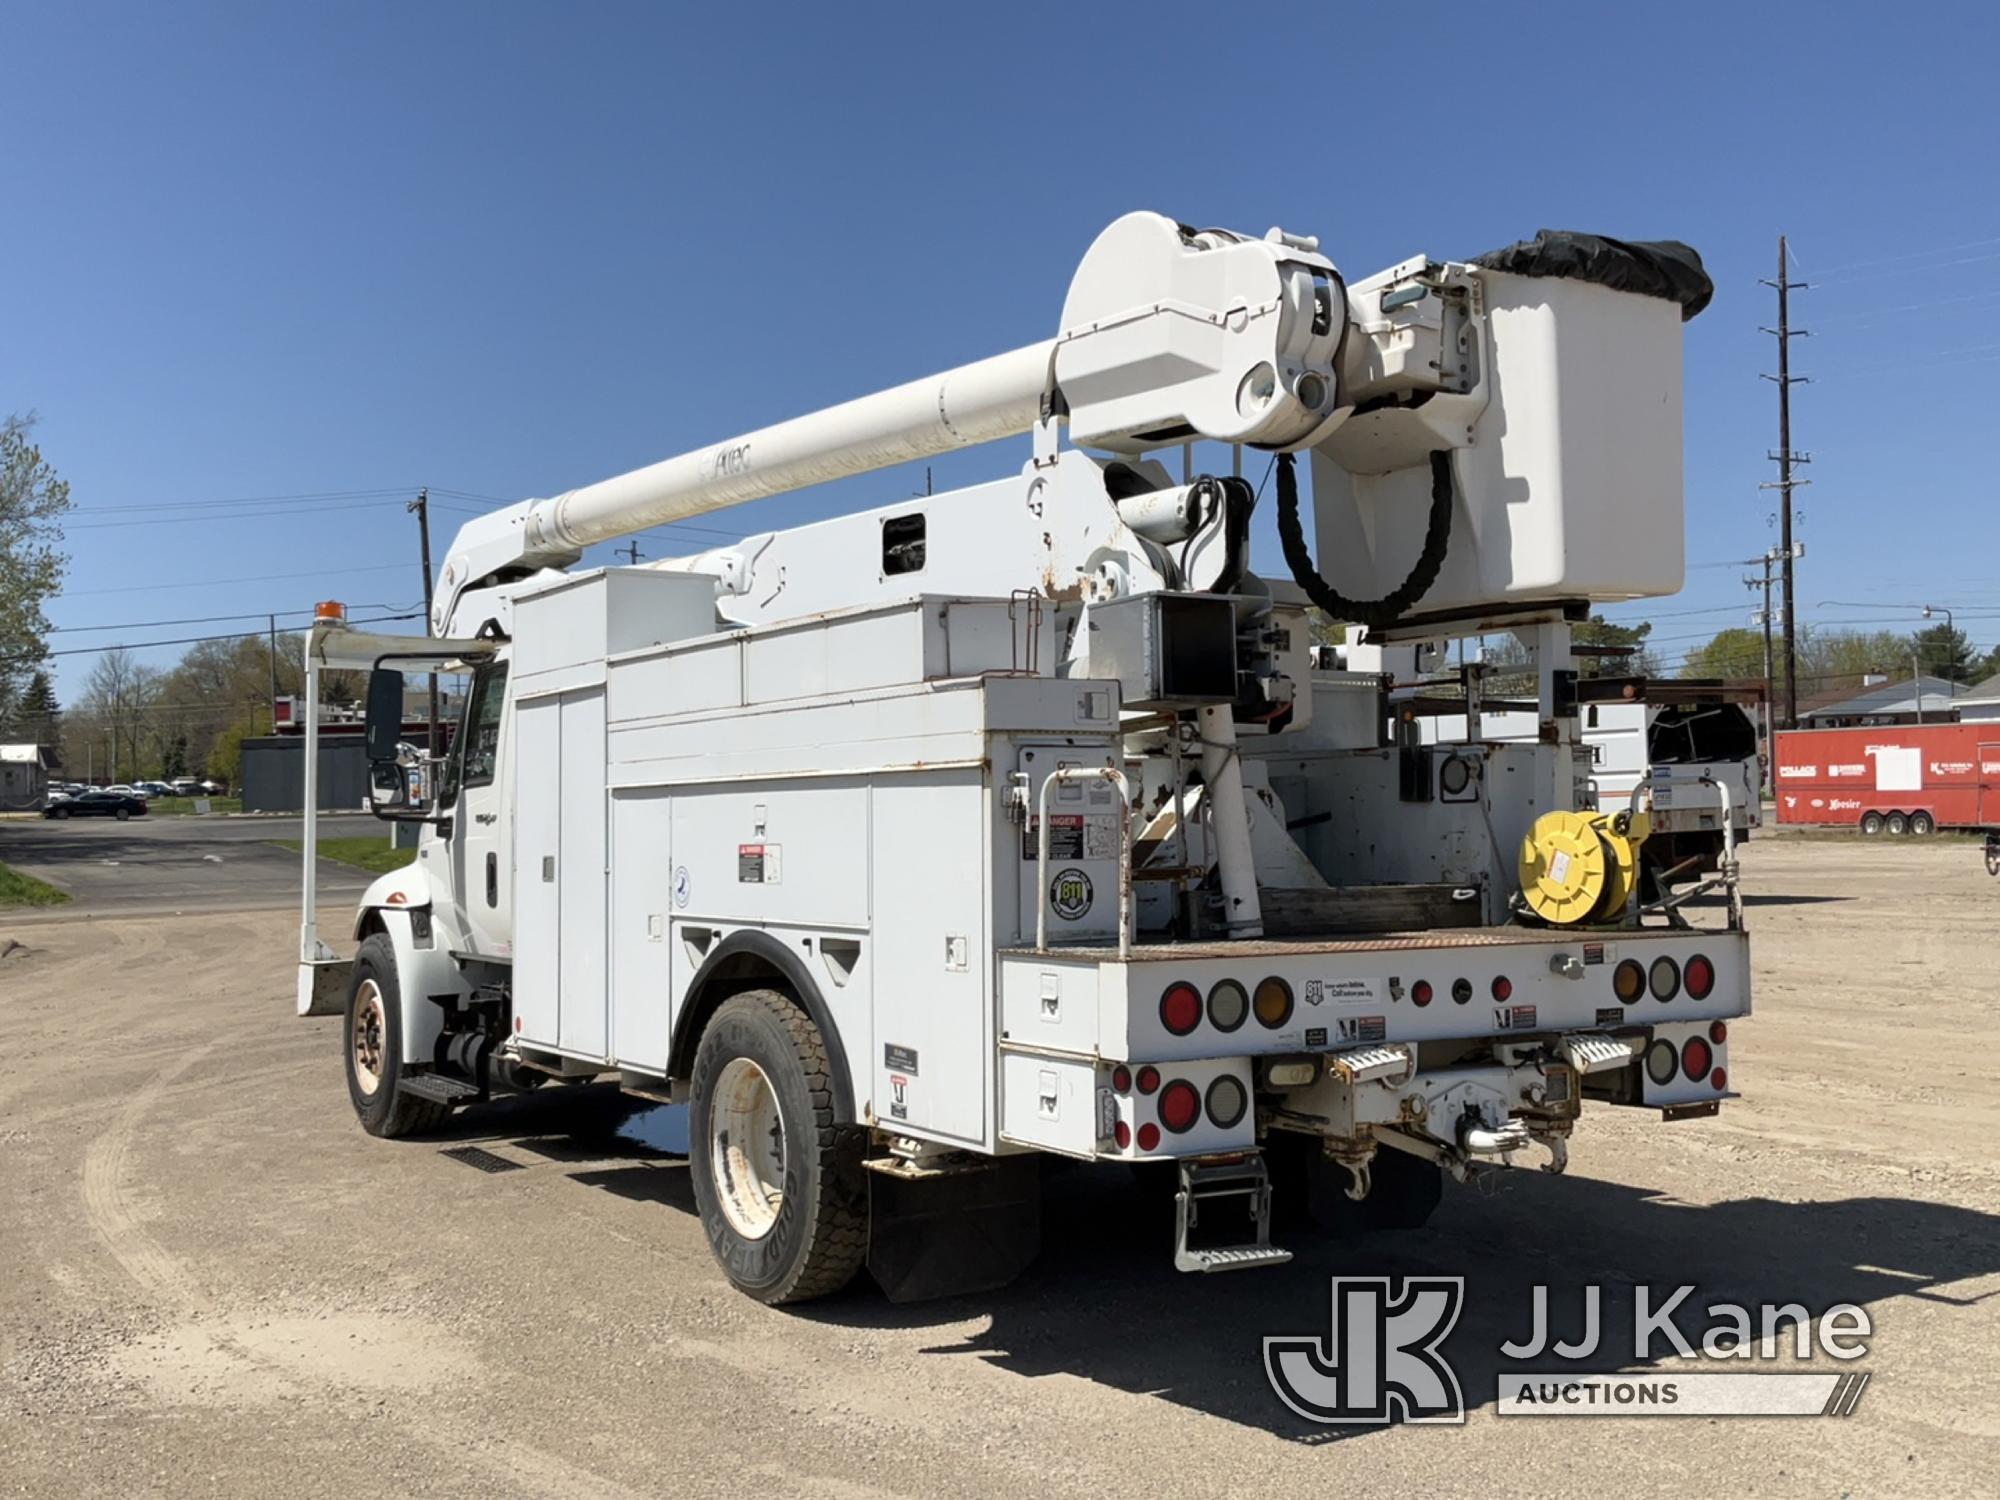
{"x": 1691, "y": 736}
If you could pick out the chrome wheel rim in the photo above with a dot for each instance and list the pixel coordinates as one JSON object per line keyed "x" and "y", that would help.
{"x": 370, "y": 1027}
{"x": 746, "y": 1148}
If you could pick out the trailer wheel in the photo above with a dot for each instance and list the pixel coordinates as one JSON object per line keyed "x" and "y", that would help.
{"x": 1898, "y": 824}
{"x": 370, "y": 1041}
{"x": 778, "y": 1183}
{"x": 1922, "y": 824}
{"x": 1871, "y": 823}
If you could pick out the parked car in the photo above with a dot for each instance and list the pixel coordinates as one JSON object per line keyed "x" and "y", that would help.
{"x": 186, "y": 786}
{"x": 152, "y": 789}
{"x": 109, "y": 803}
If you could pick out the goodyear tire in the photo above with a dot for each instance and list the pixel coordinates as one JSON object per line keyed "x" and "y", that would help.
{"x": 371, "y": 1043}
{"x": 778, "y": 1183}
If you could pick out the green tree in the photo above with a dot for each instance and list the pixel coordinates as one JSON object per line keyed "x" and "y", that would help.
{"x": 1735, "y": 652}
{"x": 1598, "y": 631}
{"x": 1945, "y": 652}
{"x": 32, "y": 503}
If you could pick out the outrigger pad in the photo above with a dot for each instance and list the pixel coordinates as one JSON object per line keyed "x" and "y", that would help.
{"x": 954, "y": 1233}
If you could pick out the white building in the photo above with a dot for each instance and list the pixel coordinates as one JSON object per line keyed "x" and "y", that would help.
{"x": 24, "y": 776}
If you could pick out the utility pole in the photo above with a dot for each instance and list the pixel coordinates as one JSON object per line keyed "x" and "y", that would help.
{"x": 1785, "y": 458}
{"x": 1764, "y": 618}
{"x": 630, "y": 552}
{"x": 422, "y": 506}
{"x": 274, "y": 673}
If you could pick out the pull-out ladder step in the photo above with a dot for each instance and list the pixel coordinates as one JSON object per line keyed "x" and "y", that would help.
{"x": 437, "y": 1087}
{"x": 1209, "y": 1181}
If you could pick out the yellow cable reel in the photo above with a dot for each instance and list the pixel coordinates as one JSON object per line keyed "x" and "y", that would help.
{"x": 1579, "y": 867}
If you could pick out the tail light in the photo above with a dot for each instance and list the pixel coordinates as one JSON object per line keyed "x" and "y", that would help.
{"x": 1421, "y": 992}
{"x": 1227, "y": 1005}
{"x": 1699, "y": 976}
{"x": 1628, "y": 981}
{"x": 1180, "y": 1106}
{"x": 1226, "y": 1102}
{"x": 1718, "y": 1032}
{"x": 1180, "y": 1008}
{"x": 1719, "y": 1079}
{"x": 1665, "y": 978}
{"x": 1121, "y": 1078}
{"x": 1149, "y": 1136}
{"x": 1149, "y": 1079}
{"x": 1662, "y": 1062}
{"x": 1503, "y": 987}
{"x": 1274, "y": 1002}
{"x": 1122, "y": 1134}
{"x": 1696, "y": 1056}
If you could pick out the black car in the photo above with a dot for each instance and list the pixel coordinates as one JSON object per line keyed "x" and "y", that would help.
{"x": 119, "y": 805}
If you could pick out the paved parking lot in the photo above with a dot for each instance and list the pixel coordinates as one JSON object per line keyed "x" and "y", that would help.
{"x": 211, "y": 1281}
{"x": 175, "y": 863}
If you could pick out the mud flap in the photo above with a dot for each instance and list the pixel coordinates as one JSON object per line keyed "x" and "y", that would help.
{"x": 323, "y": 986}
{"x": 954, "y": 1232}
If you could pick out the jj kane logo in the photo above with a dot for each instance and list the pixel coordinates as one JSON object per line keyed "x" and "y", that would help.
{"x": 1380, "y": 1360}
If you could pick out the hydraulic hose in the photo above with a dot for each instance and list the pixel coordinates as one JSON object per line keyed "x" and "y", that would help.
{"x": 1394, "y": 604}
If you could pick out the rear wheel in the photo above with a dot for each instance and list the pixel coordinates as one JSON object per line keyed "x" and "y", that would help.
{"x": 372, "y": 1041}
{"x": 1871, "y": 823}
{"x": 1922, "y": 824}
{"x": 778, "y": 1183}
{"x": 62, "y": 812}
{"x": 1898, "y": 824}
{"x": 124, "y": 813}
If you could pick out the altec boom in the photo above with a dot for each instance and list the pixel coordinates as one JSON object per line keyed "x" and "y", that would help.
{"x": 915, "y": 847}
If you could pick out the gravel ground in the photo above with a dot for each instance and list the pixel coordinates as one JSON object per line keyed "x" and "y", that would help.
{"x": 212, "y": 1283}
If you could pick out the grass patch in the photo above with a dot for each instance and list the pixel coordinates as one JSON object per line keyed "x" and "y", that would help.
{"x": 372, "y": 854}
{"x": 178, "y": 806}
{"x": 17, "y": 889}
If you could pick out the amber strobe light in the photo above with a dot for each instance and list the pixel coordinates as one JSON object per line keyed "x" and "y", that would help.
{"x": 1273, "y": 1003}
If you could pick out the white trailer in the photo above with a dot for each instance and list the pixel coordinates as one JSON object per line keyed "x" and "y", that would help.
{"x": 916, "y": 847}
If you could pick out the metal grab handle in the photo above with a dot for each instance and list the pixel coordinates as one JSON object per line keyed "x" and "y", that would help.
{"x": 1085, "y": 773}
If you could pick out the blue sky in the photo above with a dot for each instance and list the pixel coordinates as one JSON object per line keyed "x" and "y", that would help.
{"x": 502, "y": 249}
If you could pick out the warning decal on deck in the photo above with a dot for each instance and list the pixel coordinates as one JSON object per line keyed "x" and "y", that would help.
{"x": 757, "y": 864}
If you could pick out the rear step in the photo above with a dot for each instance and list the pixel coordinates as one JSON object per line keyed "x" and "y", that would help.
{"x": 439, "y": 1088}
{"x": 1206, "y": 1181}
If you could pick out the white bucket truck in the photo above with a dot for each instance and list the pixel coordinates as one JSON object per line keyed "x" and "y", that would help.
{"x": 915, "y": 847}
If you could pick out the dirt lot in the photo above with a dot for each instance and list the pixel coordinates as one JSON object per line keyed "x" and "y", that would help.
{"x": 211, "y": 1282}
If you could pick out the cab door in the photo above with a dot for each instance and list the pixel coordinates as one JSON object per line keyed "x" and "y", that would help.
{"x": 478, "y": 775}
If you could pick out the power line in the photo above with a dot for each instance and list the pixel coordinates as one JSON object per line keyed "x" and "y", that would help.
{"x": 203, "y": 583}
{"x": 195, "y": 640}
{"x": 1889, "y": 260}
{"x": 280, "y": 513}
{"x": 248, "y": 614}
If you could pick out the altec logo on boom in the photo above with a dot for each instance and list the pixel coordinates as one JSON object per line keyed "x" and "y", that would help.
{"x": 1382, "y": 1359}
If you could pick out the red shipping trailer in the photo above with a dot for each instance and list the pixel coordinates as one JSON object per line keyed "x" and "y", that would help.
{"x": 1915, "y": 778}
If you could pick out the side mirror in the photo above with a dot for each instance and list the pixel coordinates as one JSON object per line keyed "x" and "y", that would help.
{"x": 388, "y": 786}
{"x": 385, "y": 718}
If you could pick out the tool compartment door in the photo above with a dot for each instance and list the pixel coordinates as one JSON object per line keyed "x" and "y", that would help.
{"x": 537, "y": 840}
{"x": 560, "y": 989}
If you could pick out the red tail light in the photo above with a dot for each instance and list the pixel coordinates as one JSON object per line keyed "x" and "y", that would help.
{"x": 1180, "y": 1008}
{"x": 1718, "y": 1032}
{"x": 1699, "y": 977}
{"x": 1719, "y": 1079}
{"x": 1421, "y": 992}
{"x": 1503, "y": 987}
{"x": 1180, "y": 1106}
{"x": 1149, "y": 1079}
{"x": 1122, "y": 1134}
{"x": 1149, "y": 1136}
{"x": 1696, "y": 1055}
{"x": 1121, "y": 1078}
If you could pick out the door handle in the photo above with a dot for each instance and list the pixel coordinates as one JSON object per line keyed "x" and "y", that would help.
{"x": 492, "y": 879}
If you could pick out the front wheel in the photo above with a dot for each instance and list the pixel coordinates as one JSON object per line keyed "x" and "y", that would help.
{"x": 1922, "y": 824}
{"x": 778, "y": 1183}
{"x": 124, "y": 813}
{"x": 372, "y": 1041}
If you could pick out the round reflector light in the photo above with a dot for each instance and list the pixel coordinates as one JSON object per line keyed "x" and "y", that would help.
{"x": 1699, "y": 976}
{"x": 1421, "y": 992}
{"x": 1665, "y": 978}
{"x": 1696, "y": 1057}
{"x": 1226, "y": 1102}
{"x": 1628, "y": 980}
{"x": 1149, "y": 1079}
{"x": 1503, "y": 987}
{"x": 1274, "y": 1002}
{"x": 1180, "y": 1106}
{"x": 1122, "y": 1134}
{"x": 1228, "y": 1004}
{"x": 1662, "y": 1061}
{"x": 1180, "y": 1008}
{"x": 1121, "y": 1078}
{"x": 1718, "y": 1032}
{"x": 1719, "y": 1079}
{"x": 1149, "y": 1136}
